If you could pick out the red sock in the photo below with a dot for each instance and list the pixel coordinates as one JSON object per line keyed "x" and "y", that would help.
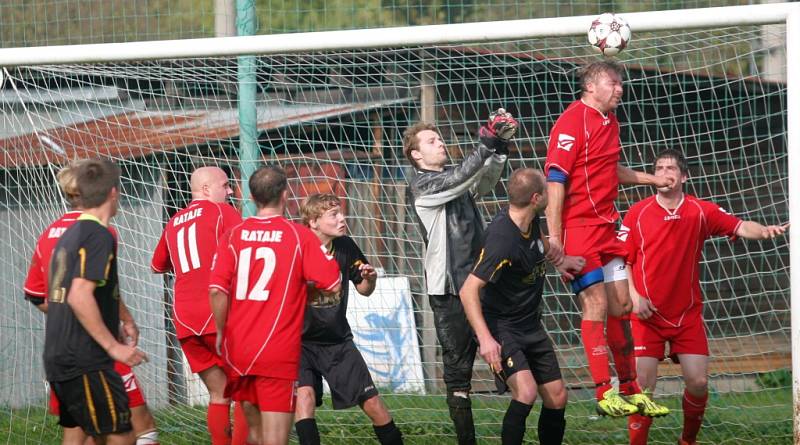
{"x": 594, "y": 346}
{"x": 693, "y": 409}
{"x": 240, "y": 427}
{"x": 639, "y": 428}
{"x": 219, "y": 423}
{"x": 620, "y": 342}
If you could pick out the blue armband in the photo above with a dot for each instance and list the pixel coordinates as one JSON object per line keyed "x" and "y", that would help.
{"x": 583, "y": 281}
{"x": 556, "y": 175}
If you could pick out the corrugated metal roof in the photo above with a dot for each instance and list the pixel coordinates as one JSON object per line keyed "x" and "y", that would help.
{"x": 139, "y": 133}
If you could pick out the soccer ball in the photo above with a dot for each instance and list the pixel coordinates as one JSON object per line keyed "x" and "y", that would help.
{"x": 609, "y": 34}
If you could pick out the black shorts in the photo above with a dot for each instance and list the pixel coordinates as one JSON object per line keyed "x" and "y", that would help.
{"x": 534, "y": 353}
{"x": 96, "y": 402}
{"x": 457, "y": 340}
{"x": 343, "y": 368}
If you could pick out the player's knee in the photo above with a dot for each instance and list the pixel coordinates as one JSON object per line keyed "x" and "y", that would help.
{"x": 621, "y": 309}
{"x": 376, "y": 411}
{"x": 306, "y": 403}
{"x": 526, "y": 395}
{"x": 214, "y": 379}
{"x": 595, "y": 306}
{"x": 697, "y": 384}
{"x": 558, "y": 400}
{"x": 459, "y": 399}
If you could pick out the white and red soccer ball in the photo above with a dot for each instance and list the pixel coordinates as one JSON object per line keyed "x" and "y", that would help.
{"x": 609, "y": 34}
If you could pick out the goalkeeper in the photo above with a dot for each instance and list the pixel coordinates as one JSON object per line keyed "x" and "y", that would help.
{"x": 668, "y": 230}
{"x": 443, "y": 199}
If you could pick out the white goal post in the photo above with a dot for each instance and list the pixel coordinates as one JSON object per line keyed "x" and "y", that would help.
{"x": 295, "y": 105}
{"x": 682, "y": 19}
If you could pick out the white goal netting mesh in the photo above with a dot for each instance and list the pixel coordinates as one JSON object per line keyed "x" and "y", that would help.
{"x": 334, "y": 120}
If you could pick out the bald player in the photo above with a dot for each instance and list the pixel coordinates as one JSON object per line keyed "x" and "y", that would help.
{"x": 187, "y": 248}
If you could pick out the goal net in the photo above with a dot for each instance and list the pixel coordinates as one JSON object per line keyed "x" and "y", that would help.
{"x": 334, "y": 121}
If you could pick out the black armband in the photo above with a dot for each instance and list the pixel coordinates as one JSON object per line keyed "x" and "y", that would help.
{"x": 35, "y": 300}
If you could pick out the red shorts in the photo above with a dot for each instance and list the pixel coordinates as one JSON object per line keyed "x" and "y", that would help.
{"x": 132, "y": 388}
{"x": 267, "y": 393}
{"x": 650, "y": 339}
{"x": 201, "y": 352}
{"x": 596, "y": 244}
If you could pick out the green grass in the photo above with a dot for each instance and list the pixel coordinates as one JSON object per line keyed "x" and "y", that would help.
{"x": 762, "y": 418}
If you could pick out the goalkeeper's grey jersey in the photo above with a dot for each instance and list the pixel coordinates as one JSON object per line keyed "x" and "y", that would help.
{"x": 444, "y": 203}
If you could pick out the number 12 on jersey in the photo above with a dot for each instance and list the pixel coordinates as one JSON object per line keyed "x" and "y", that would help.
{"x": 259, "y": 291}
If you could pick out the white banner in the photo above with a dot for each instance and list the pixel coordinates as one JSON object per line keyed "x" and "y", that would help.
{"x": 385, "y": 332}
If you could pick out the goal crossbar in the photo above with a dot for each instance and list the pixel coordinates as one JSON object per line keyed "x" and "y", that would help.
{"x": 388, "y": 37}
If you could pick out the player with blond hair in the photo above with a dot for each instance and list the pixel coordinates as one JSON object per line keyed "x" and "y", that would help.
{"x": 84, "y": 310}
{"x": 328, "y": 350}
{"x": 35, "y": 288}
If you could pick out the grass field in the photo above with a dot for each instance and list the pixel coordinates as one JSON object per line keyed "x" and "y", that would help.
{"x": 762, "y": 418}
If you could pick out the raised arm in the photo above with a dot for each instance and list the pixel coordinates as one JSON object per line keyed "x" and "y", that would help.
{"x": 627, "y": 176}
{"x": 436, "y": 189}
{"x": 478, "y": 172}
{"x": 496, "y": 134}
{"x": 755, "y": 231}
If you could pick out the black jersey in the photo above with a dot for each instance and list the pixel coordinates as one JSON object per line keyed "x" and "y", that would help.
{"x": 86, "y": 250}
{"x": 328, "y": 325}
{"x": 513, "y": 265}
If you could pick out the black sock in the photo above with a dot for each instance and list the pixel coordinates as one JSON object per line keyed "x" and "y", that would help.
{"x": 307, "y": 431}
{"x": 461, "y": 414}
{"x": 514, "y": 423}
{"x": 551, "y": 426}
{"x": 388, "y": 434}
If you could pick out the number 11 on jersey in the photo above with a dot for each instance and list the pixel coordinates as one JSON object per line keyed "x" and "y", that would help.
{"x": 193, "y": 253}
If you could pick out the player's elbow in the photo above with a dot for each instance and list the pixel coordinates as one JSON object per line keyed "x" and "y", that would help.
{"x": 215, "y": 296}
{"x": 468, "y": 291}
{"x": 160, "y": 269}
{"x": 367, "y": 290}
{"x": 337, "y": 288}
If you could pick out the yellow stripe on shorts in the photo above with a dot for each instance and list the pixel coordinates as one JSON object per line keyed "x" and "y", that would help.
{"x": 110, "y": 400}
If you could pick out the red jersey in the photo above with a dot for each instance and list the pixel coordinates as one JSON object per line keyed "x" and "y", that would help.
{"x": 264, "y": 266}
{"x": 584, "y": 146}
{"x": 36, "y": 283}
{"x": 664, "y": 250}
{"x": 187, "y": 246}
